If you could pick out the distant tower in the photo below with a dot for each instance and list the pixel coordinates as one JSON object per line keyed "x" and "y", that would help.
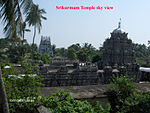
{"x": 45, "y": 46}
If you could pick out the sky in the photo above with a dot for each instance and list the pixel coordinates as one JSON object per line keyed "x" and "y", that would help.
{"x": 67, "y": 27}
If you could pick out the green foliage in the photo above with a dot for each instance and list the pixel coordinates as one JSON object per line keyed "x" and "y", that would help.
{"x": 34, "y": 18}
{"x": 14, "y": 53}
{"x": 22, "y": 91}
{"x": 99, "y": 109}
{"x": 83, "y": 54}
{"x": 96, "y": 57}
{"x": 12, "y": 16}
{"x": 3, "y": 55}
{"x": 76, "y": 47}
{"x": 61, "y": 52}
{"x": 141, "y": 51}
{"x": 17, "y": 53}
{"x": 137, "y": 103}
{"x": 121, "y": 88}
{"x": 62, "y": 102}
{"x": 46, "y": 59}
{"x": 36, "y": 56}
{"x": 4, "y": 42}
{"x": 140, "y": 61}
{"x": 71, "y": 54}
{"x": 124, "y": 98}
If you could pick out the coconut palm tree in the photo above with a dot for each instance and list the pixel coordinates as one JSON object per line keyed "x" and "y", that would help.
{"x": 34, "y": 18}
{"x": 11, "y": 15}
{"x": 24, "y": 29}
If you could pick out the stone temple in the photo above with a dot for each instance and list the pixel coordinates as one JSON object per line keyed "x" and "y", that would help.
{"x": 118, "y": 59}
{"x": 45, "y": 46}
{"x": 118, "y": 49}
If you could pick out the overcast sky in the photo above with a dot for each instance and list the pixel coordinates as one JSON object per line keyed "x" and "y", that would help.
{"x": 66, "y": 27}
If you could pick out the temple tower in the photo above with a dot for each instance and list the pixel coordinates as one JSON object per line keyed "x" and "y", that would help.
{"x": 118, "y": 49}
{"x": 45, "y": 46}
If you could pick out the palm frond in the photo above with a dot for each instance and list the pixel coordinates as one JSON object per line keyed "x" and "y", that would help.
{"x": 27, "y": 30}
{"x": 11, "y": 16}
{"x": 43, "y": 17}
{"x": 26, "y": 5}
{"x": 34, "y": 17}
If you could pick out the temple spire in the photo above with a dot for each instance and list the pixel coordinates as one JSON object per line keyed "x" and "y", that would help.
{"x": 119, "y": 24}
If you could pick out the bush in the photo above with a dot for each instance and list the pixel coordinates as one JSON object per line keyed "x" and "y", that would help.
{"x": 22, "y": 91}
{"x": 124, "y": 98}
{"x": 137, "y": 103}
{"x": 62, "y": 102}
{"x": 120, "y": 89}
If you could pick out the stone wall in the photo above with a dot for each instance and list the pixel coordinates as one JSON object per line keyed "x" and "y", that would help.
{"x": 83, "y": 75}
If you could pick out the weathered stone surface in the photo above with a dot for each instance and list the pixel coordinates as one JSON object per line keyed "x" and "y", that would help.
{"x": 92, "y": 93}
{"x": 42, "y": 109}
{"x": 78, "y": 92}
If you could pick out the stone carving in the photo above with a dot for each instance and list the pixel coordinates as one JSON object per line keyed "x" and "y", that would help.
{"x": 82, "y": 75}
{"x": 42, "y": 109}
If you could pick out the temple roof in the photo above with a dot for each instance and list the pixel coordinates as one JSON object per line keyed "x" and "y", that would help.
{"x": 119, "y": 29}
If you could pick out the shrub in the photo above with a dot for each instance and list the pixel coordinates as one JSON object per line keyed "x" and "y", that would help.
{"x": 62, "y": 102}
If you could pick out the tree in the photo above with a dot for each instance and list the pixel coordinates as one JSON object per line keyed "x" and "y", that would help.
{"x": 22, "y": 90}
{"x": 88, "y": 46}
{"x": 23, "y": 31}
{"x": 5, "y": 43}
{"x": 141, "y": 50}
{"x": 34, "y": 18}
{"x": 148, "y": 42}
{"x": 82, "y": 54}
{"x": 76, "y": 47}
{"x": 61, "y": 52}
{"x": 62, "y": 102}
{"x": 46, "y": 59}
{"x": 37, "y": 55}
{"x": 12, "y": 53}
{"x": 91, "y": 48}
{"x": 124, "y": 98}
{"x": 3, "y": 55}
{"x": 16, "y": 52}
{"x": 71, "y": 54}
{"x": 54, "y": 49}
{"x": 121, "y": 88}
{"x": 96, "y": 57}
{"x": 12, "y": 16}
